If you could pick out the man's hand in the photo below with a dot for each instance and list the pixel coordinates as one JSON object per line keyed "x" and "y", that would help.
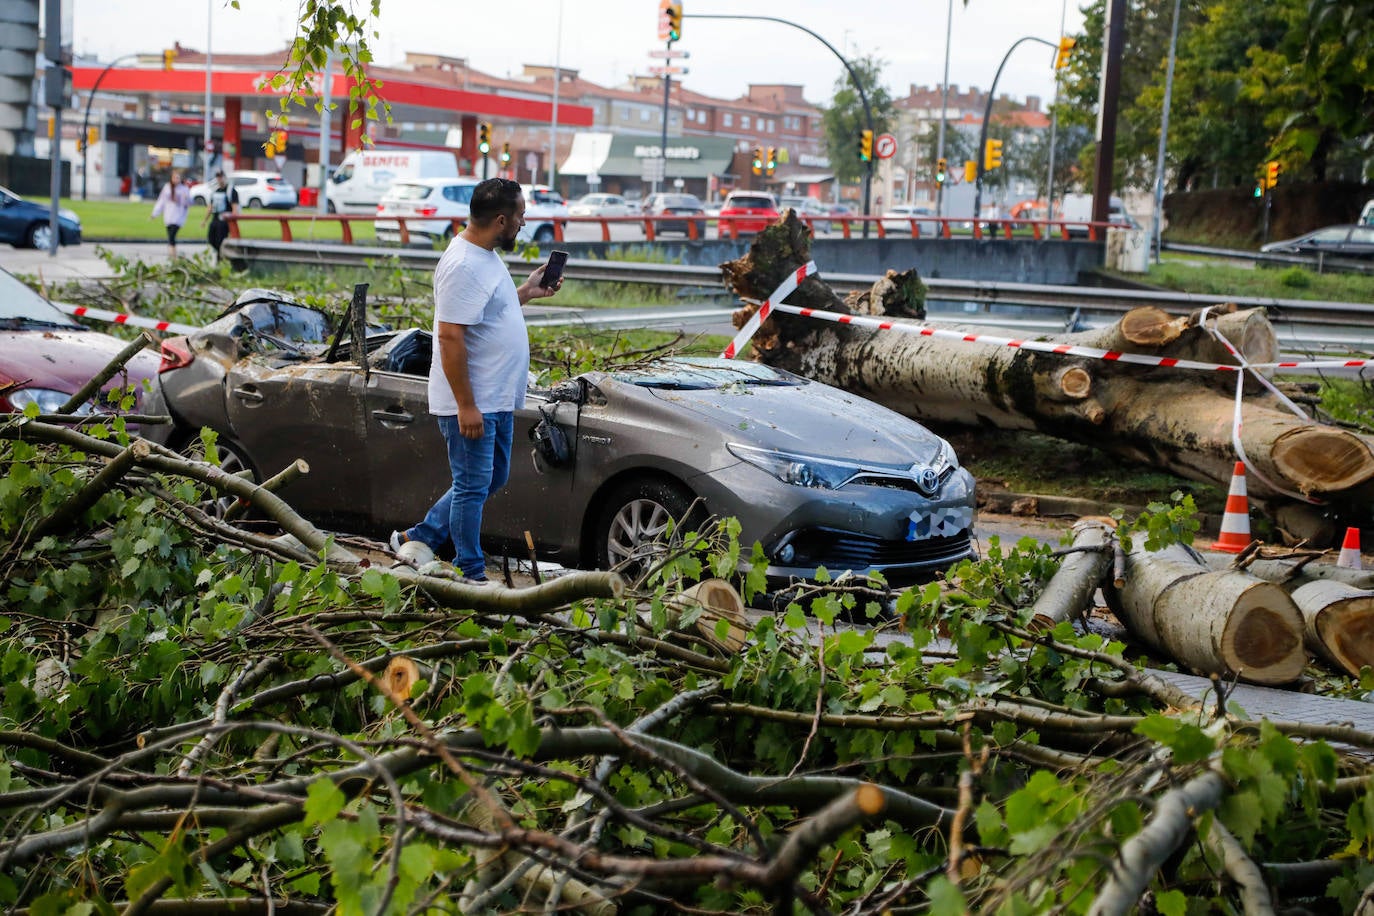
{"x": 533, "y": 287}
{"x": 470, "y": 422}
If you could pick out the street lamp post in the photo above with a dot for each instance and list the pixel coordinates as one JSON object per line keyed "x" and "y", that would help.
{"x": 980, "y": 154}
{"x": 944, "y": 107}
{"x": 86, "y": 121}
{"x": 1163, "y": 139}
{"x": 209, "y": 36}
{"x": 854, "y": 78}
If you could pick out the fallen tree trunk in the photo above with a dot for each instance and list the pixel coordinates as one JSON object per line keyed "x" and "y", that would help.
{"x": 1338, "y": 623}
{"x": 1223, "y": 622}
{"x": 1176, "y": 419}
{"x": 1069, "y": 592}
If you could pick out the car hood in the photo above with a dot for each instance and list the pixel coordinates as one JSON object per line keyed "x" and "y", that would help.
{"x": 813, "y": 419}
{"x": 65, "y": 360}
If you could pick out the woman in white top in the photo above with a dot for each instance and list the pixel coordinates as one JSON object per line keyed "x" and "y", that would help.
{"x": 173, "y": 202}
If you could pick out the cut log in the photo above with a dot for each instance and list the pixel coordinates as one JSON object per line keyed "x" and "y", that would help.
{"x": 1338, "y": 623}
{"x": 1069, "y": 593}
{"x": 1175, "y": 419}
{"x": 1227, "y": 622}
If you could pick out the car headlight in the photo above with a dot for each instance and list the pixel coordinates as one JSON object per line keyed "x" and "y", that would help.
{"x": 798, "y": 470}
{"x": 69, "y": 215}
{"x": 48, "y": 400}
{"x": 945, "y": 460}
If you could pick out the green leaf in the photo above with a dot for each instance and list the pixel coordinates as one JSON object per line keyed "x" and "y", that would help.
{"x": 945, "y": 898}
{"x": 323, "y": 802}
{"x": 1172, "y": 903}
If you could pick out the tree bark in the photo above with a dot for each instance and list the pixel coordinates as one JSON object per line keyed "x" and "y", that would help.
{"x": 1216, "y": 622}
{"x": 1070, "y": 591}
{"x": 1338, "y": 623}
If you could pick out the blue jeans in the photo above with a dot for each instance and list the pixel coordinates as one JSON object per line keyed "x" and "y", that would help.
{"x": 479, "y": 467}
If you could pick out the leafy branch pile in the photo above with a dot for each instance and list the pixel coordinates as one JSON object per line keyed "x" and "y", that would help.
{"x": 201, "y": 719}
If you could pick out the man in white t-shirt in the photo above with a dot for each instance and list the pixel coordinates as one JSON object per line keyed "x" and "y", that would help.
{"x": 478, "y": 373}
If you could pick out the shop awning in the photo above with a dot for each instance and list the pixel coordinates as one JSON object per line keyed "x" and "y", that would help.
{"x": 687, "y": 157}
{"x": 588, "y": 154}
{"x": 811, "y": 178}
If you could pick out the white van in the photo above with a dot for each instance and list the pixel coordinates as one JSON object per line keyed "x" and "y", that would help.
{"x": 1078, "y": 208}
{"x": 359, "y": 182}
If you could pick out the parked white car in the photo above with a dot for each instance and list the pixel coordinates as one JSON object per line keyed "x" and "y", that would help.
{"x": 444, "y": 199}
{"x": 898, "y": 220}
{"x": 809, "y": 207}
{"x": 542, "y": 206}
{"x": 255, "y": 189}
{"x": 599, "y": 205}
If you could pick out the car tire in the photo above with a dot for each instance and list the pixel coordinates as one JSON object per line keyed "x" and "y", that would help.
{"x": 631, "y": 531}
{"x": 254, "y": 203}
{"x": 331, "y": 208}
{"x": 39, "y": 236}
{"x": 543, "y": 235}
{"x": 198, "y": 201}
{"x": 232, "y": 460}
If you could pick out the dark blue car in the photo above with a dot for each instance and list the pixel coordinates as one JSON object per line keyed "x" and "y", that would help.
{"x": 25, "y": 224}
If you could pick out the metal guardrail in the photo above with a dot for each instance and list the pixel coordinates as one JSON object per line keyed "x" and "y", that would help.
{"x": 727, "y": 227}
{"x": 1318, "y": 324}
{"x": 1322, "y": 262}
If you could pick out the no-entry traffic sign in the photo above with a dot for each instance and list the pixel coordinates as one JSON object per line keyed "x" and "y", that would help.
{"x": 885, "y": 147}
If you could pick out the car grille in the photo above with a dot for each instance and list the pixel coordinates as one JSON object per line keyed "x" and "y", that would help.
{"x": 837, "y": 550}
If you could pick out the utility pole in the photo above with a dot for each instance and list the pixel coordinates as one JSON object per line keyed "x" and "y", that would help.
{"x": 1112, "y": 50}
{"x": 1163, "y": 140}
{"x": 944, "y": 107}
{"x": 55, "y": 94}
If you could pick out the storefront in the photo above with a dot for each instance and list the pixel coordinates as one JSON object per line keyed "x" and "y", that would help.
{"x": 627, "y": 164}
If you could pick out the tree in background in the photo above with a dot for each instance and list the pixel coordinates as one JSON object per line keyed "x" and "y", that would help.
{"x": 844, "y": 119}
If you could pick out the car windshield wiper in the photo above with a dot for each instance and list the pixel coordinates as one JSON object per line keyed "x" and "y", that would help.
{"x": 31, "y": 324}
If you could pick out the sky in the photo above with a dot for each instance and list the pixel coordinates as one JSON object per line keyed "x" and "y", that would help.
{"x": 607, "y": 40}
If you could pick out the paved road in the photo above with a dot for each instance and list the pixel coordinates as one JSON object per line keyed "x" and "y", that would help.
{"x": 79, "y": 262}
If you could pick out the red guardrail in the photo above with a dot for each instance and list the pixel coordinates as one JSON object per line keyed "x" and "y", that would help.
{"x": 726, "y": 226}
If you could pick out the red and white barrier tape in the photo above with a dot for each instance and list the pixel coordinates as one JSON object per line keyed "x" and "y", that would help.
{"x": 81, "y": 311}
{"x": 1042, "y": 346}
{"x": 784, "y": 290}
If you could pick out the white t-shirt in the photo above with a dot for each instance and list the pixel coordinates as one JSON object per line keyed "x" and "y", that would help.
{"x": 473, "y": 287}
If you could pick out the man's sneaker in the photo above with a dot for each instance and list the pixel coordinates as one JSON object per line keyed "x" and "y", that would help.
{"x": 416, "y": 553}
{"x": 397, "y": 539}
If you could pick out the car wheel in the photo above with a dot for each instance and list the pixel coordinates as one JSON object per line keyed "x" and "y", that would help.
{"x": 330, "y": 207}
{"x": 232, "y": 460}
{"x": 198, "y": 200}
{"x": 633, "y": 530}
{"x": 40, "y": 236}
{"x": 543, "y": 235}
{"x": 254, "y": 203}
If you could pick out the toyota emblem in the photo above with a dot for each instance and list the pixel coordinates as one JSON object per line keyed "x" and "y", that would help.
{"x": 926, "y": 478}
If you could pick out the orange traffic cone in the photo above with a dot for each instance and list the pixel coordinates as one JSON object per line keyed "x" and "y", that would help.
{"x": 1235, "y": 524}
{"x": 1350, "y": 550}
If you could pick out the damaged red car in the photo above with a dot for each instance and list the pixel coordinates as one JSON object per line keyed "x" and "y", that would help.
{"x": 46, "y": 356}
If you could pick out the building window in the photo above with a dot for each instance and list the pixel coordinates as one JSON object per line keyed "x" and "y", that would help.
{"x": 644, "y": 114}
{"x": 624, "y": 114}
{"x": 744, "y": 122}
{"x": 727, "y": 120}
{"x": 772, "y": 126}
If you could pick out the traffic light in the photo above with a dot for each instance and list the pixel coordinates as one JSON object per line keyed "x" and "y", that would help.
{"x": 757, "y": 164}
{"x": 1061, "y": 60}
{"x": 670, "y": 20}
{"x": 505, "y": 153}
{"x": 1271, "y": 173}
{"x": 992, "y": 155}
{"x": 770, "y": 163}
{"x": 484, "y": 138}
{"x": 92, "y": 136}
{"x": 941, "y": 168}
{"x": 970, "y": 170}
{"x": 866, "y": 145}
{"x": 1259, "y": 188}
{"x": 169, "y": 56}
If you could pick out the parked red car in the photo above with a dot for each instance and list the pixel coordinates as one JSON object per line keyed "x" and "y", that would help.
{"x": 45, "y": 356}
{"x": 748, "y": 212}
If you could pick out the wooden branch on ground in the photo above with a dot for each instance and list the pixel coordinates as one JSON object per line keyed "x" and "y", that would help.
{"x": 88, "y": 390}
{"x": 1069, "y": 593}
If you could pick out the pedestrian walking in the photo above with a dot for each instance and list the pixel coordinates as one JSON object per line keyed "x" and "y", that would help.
{"x": 479, "y": 369}
{"x": 173, "y": 203}
{"x": 223, "y": 202}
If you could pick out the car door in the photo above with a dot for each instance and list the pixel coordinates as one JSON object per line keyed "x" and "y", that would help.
{"x": 538, "y": 498}
{"x": 279, "y": 413}
{"x": 407, "y": 459}
{"x": 1361, "y": 244}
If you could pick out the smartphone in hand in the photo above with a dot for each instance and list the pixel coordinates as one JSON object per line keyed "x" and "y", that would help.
{"x": 553, "y": 271}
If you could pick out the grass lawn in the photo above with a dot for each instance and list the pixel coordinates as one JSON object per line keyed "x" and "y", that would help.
{"x": 129, "y": 220}
{"x": 1191, "y": 274}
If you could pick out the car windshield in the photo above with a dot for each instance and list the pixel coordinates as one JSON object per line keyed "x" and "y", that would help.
{"x": 677, "y": 200}
{"x": 704, "y": 372}
{"x": 21, "y": 308}
{"x": 408, "y": 191}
